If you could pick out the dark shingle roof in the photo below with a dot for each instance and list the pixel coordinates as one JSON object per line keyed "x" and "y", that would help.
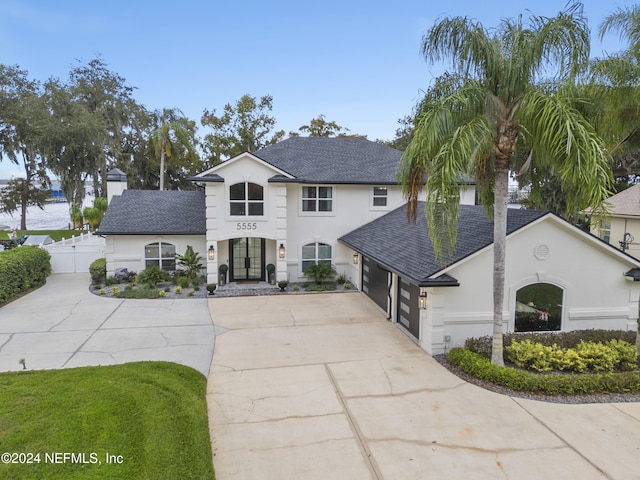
{"x": 143, "y": 212}
{"x": 406, "y": 248}
{"x": 334, "y": 160}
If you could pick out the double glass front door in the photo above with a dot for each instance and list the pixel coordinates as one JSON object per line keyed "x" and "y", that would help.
{"x": 247, "y": 259}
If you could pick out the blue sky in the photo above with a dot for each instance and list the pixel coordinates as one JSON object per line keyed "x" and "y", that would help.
{"x": 356, "y": 62}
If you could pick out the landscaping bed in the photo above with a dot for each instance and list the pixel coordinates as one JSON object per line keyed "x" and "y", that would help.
{"x": 588, "y": 366}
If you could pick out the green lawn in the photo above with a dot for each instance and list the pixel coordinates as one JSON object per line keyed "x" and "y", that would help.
{"x": 56, "y": 235}
{"x": 148, "y": 418}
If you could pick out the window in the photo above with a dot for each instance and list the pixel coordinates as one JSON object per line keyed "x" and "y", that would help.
{"x": 317, "y": 199}
{"x": 246, "y": 199}
{"x": 315, "y": 253}
{"x": 161, "y": 255}
{"x": 379, "y": 196}
{"x": 538, "y": 308}
{"x": 604, "y": 231}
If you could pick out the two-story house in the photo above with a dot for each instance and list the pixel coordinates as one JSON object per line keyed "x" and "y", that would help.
{"x": 336, "y": 200}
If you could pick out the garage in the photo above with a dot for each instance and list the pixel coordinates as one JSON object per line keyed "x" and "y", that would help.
{"x": 408, "y": 310}
{"x": 375, "y": 283}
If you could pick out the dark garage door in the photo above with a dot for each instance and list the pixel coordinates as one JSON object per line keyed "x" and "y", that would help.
{"x": 408, "y": 307}
{"x": 375, "y": 283}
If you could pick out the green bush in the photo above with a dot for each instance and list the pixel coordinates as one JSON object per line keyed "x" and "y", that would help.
{"x": 142, "y": 292}
{"x": 319, "y": 272}
{"x": 599, "y": 357}
{"x": 98, "y": 271}
{"x": 482, "y": 345}
{"x": 183, "y": 282}
{"x": 315, "y": 287}
{"x": 21, "y": 270}
{"x": 480, "y": 367}
{"x": 152, "y": 275}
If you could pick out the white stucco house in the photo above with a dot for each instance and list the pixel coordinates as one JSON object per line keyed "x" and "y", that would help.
{"x": 307, "y": 200}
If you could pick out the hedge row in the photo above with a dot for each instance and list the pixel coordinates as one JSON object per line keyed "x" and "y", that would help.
{"x": 521, "y": 380}
{"x": 21, "y": 270}
{"x": 482, "y": 345}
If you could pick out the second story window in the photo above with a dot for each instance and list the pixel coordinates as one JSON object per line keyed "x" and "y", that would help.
{"x": 317, "y": 199}
{"x": 379, "y": 196}
{"x": 246, "y": 199}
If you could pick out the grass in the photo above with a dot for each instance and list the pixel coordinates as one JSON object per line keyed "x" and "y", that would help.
{"x": 150, "y": 416}
{"x": 56, "y": 235}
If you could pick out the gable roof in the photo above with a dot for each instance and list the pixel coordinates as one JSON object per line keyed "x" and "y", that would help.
{"x": 626, "y": 203}
{"x": 406, "y": 249}
{"x": 333, "y": 160}
{"x": 155, "y": 212}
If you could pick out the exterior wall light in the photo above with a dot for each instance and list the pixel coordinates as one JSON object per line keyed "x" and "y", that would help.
{"x": 422, "y": 300}
{"x": 355, "y": 258}
{"x": 211, "y": 253}
{"x": 281, "y": 250}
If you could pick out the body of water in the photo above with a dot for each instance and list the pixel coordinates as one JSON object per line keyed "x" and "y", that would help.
{"x": 54, "y": 216}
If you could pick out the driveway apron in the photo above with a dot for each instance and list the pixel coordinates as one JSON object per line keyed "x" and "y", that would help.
{"x": 64, "y": 325}
{"x": 323, "y": 386}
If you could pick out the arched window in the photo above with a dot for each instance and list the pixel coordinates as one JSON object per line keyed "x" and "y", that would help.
{"x": 246, "y": 199}
{"x": 315, "y": 253}
{"x": 160, "y": 254}
{"x": 539, "y": 308}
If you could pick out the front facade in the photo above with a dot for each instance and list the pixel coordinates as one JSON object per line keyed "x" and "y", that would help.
{"x": 288, "y": 204}
{"x": 336, "y": 200}
{"x": 557, "y": 278}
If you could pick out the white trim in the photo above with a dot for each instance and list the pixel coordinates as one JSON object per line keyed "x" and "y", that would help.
{"x": 240, "y": 156}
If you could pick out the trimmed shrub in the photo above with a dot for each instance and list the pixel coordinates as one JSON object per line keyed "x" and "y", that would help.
{"x": 98, "y": 271}
{"x": 480, "y": 367}
{"x": 482, "y": 345}
{"x": 599, "y": 357}
{"x": 21, "y": 270}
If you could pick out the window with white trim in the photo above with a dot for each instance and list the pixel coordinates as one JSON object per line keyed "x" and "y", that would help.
{"x": 315, "y": 253}
{"x": 538, "y": 308}
{"x": 246, "y": 199}
{"x": 317, "y": 199}
{"x": 380, "y": 196}
{"x": 160, "y": 254}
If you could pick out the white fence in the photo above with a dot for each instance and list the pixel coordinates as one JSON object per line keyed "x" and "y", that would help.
{"x": 75, "y": 254}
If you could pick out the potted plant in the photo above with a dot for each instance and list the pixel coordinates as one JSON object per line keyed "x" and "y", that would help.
{"x": 271, "y": 270}
{"x": 223, "y": 269}
{"x": 211, "y": 288}
{"x": 283, "y": 285}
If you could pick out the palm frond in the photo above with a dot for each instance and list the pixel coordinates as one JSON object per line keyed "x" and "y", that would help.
{"x": 566, "y": 142}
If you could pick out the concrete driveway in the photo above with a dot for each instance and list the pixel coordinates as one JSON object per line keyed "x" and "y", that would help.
{"x": 64, "y": 325}
{"x": 322, "y": 386}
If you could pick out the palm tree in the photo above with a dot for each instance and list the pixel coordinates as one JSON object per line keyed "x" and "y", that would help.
{"x": 474, "y": 121}
{"x": 174, "y": 128}
{"x": 614, "y": 83}
{"x": 621, "y": 72}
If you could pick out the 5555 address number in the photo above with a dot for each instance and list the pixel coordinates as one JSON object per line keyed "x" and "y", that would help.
{"x": 246, "y": 226}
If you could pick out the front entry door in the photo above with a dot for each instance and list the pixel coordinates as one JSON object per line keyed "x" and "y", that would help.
{"x": 247, "y": 259}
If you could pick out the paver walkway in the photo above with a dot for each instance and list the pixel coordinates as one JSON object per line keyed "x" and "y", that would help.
{"x": 322, "y": 386}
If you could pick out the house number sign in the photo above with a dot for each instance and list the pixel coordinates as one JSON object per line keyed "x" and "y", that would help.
{"x": 246, "y": 226}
